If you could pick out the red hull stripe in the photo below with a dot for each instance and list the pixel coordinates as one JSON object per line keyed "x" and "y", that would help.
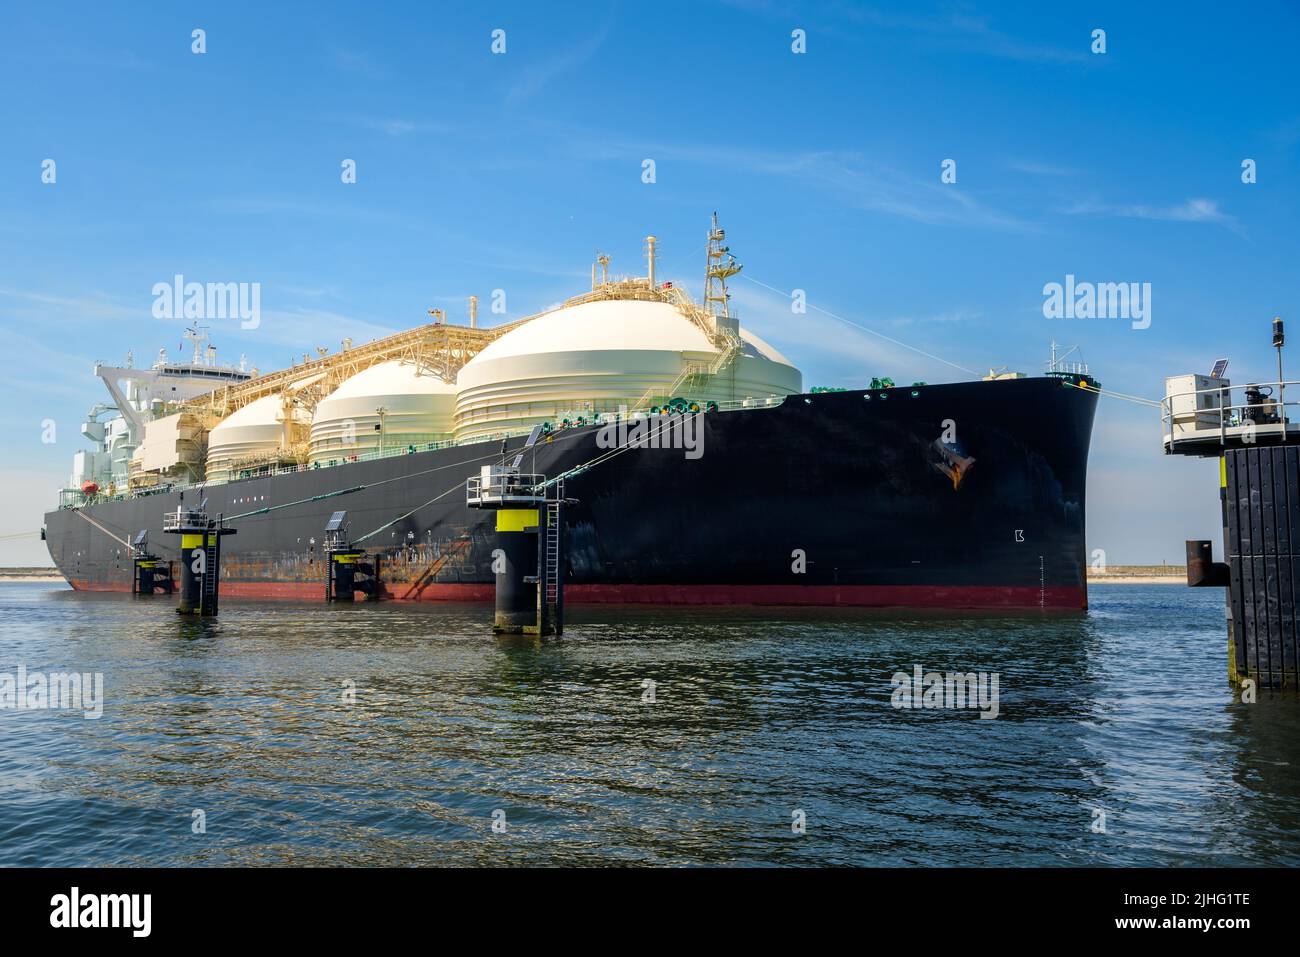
{"x": 863, "y": 596}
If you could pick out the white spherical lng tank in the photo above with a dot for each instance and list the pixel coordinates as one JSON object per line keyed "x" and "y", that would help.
{"x": 418, "y": 409}
{"x": 597, "y": 356}
{"x": 256, "y": 429}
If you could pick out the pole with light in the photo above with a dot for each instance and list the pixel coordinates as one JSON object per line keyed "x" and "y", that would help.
{"x": 1279, "y": 338}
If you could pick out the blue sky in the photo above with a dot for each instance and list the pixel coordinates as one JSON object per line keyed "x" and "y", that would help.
{"x": 478, "y": 171}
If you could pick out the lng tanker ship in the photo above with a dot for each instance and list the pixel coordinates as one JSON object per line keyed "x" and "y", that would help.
{"x": 700, "y": 469}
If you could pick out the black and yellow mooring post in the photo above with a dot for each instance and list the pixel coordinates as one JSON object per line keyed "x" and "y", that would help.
{"x": 527, "y": 559}
{"x": 200, "y": 558}
{"x": 514, "y": 560}
{"x": 149, "y": 573}
{"x": 348, "y": 569}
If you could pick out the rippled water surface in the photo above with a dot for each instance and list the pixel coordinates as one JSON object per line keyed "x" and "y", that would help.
{"x": 757, "y": 714}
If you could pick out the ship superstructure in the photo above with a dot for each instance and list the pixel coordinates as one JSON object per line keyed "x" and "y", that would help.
{"x": 139, "y": 396}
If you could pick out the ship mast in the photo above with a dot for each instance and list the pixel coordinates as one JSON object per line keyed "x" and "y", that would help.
{"x": 716, "y": 272}
{"x": 650, "y": 242}
{"x": 603, "y": 261}
{"x": 198, "y": 335}
{"x": 1057, "y": 364}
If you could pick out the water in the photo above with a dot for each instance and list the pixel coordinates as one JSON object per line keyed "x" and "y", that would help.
{"x": 757, "y": 714}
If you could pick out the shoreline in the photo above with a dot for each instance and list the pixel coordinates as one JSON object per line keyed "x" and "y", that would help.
{"x": 1137, "y": 580}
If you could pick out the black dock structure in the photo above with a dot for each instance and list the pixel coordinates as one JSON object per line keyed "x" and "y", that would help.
{"x": 348, "y": 569}
{"x": 1262, "y": 498}
{"x": 149, "y": 573}
{"x": 200, "y": 562}
{"x": 1259, "y": 491}
{"x": 529, "y": 559}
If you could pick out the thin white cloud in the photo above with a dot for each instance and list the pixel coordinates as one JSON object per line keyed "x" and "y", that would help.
{"x": 1189, "y": 211}
{"x": 979, "y": 36}
{"x": 1040, "y": 169}
{"x": 830, "y": 351}
{"x": 95, "y": 307}
{"x": 301, "y": 328}
{"x": 358, "y": 62}
{"x": 851, "y": 177}
{"x": 314, "y": 292}
{"x": 956, "y": 30}
{"x": 1286, "y": 133}
{"x": 534, "y": 78}
{"x": 90, "y": 60}
{"x": 281, "y": 325}
{"x": 398, "y": 126}
{"x": 51, "y": 372}
{"x": 955, "y": 315}
{"x": 268, "y": 206}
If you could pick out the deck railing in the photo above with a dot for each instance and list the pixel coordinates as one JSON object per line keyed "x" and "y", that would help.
{"x": 1222, "y": 419}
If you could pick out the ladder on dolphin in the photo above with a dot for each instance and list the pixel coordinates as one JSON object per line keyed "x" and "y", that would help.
{"x": 211, "y": 575}
{"x": 550, "y": 563}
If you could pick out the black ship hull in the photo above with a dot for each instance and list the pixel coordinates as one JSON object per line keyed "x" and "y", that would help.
{"x": 966, "y": 496}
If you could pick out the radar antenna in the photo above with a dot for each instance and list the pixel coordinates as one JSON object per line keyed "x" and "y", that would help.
{"x": 603, "y": 261}
{"x": 198, "y": 335}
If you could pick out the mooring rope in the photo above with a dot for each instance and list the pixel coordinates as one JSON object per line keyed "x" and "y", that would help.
{"x": 459, "y": 485}
{"x": 855, "y": 325}
{"x": 602, "y": 458}
{"x": 129, "y": 546}
{"x": 359, "y": 488}
{"x": 399, "y": 518}
{"x": 1097, "y": 390}
{"x": 301, "y": 501}
{"x": 398, "y": 478}
{"x": 317, "y": 498}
